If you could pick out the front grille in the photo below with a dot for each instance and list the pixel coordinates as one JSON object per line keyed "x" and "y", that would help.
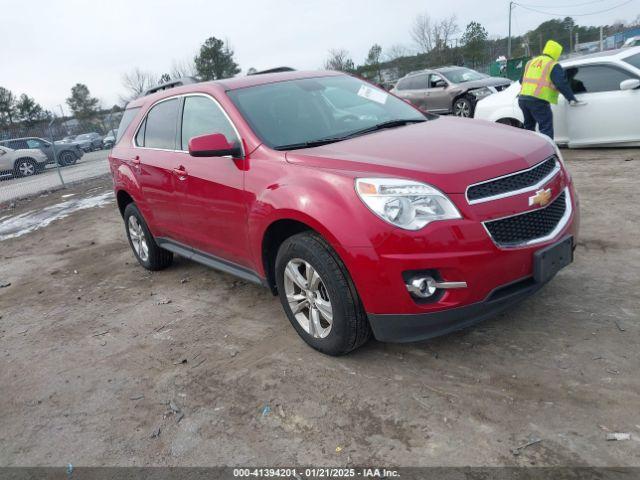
{"x": 512, "y": 183}
{"x": 528, "y": 226}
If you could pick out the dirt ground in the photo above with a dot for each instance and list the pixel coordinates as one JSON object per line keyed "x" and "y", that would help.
{"x": 95, "y": 361}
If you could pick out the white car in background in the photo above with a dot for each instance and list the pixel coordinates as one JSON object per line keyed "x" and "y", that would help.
{"x": 609, "y": 83}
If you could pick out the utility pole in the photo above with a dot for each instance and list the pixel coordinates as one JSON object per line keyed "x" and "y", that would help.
{"x": 601, "y": 43}
{"x": 509, "y": 39}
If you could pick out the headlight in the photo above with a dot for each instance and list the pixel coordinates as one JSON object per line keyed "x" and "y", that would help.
{"x": 481, "y": 92}
{"x": 405, "y": 203}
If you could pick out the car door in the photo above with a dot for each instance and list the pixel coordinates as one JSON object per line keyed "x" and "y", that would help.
{"x": 38, "y": 144}
{"x": 153, "y": 160}
{"x": 213, "y": 205}
{"x": 610, "y": 114}
{"x": 437, "y": 98}
{"x": 415, "y": 90}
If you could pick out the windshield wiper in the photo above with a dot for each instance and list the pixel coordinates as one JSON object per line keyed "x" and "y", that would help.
{"x": 383, "y": 125}
{"x": 309, "y": 144}
{"x": 327, "y": 140}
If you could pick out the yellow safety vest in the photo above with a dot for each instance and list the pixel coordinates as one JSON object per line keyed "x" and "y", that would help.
{"x": 536, "y": 81}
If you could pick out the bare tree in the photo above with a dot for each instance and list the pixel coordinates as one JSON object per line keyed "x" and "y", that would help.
{"x": 431, "y": 34}
{"x": 182, "y": 68}
{"x": 136, "y": 83}
{"x": 422, "y": 33}
{"x": 339, "y": 59}
{"x": 447, "y": 29}
{"x": 396, "y": 51}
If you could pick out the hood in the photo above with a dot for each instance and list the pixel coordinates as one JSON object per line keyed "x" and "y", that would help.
{"x": 485, "y": 82}
{"x": 449, "y": 153}
{"x": 552, "y": 49}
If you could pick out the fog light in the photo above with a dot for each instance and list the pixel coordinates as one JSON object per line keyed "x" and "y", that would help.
{"x": 422, "y": 287}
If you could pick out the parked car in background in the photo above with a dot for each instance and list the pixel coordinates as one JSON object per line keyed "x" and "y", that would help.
{"x": 632, "y": 42}
{"x": 89, "y": 142}
{"x": 395, "y": 223}
{"x": 67, "y": 153}
{"x": 609, "y": 83}
{"x": 109, "y": 139}
{"x": 448, "y": 89}
{"x": 21, "y": 163}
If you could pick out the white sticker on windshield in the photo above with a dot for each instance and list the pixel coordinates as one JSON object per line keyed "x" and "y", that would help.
{"x": 372, "y": 94}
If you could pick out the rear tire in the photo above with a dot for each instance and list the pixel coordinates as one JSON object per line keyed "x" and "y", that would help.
{"x": 25, "y": 167}
{"x": 339, "y": 324}
{"x": 145, "y": 249}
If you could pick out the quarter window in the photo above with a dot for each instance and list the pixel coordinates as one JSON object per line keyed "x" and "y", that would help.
{"x": 160, "y": 126}
{"x": 596, "y": 78}
{"x": 202, "y": 116}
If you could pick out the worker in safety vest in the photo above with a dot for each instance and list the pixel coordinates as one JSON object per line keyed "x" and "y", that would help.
{"x": 542, "y": 80}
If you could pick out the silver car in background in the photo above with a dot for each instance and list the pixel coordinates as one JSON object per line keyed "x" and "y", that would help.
{"x": 21, "y": 163}
{"x": 448, "y": 89}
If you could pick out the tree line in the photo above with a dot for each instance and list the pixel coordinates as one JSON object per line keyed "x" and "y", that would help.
{"x": 433, "y": 42}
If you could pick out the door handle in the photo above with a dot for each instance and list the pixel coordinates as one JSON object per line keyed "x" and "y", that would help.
{"x": 181, "y": 172}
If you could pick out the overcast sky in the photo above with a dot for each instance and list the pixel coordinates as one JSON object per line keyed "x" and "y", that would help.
{"x": 48, "y": 46}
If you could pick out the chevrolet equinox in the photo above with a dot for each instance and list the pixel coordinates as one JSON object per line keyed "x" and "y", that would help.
{"x": 365, "y": 215}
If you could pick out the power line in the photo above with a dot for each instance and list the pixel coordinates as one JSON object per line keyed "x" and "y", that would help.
{"x": 574, "y": 14}
{"x": 562, "y": 6}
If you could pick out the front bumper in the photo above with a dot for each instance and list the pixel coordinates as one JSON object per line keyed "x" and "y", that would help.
{"x": 421, "y": 326}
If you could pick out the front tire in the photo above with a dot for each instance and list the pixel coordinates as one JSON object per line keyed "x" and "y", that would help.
{"x": 318, "y": 296}
{"x": 462, "y": 107}
{"x": 145, "y": 249}
{"x": 25, "y": 167}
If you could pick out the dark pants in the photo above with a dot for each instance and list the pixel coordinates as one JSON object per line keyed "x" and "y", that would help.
{"x": 538, "y": 112}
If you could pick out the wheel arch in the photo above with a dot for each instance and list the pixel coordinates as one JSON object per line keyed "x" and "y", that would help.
{"x": 123, "y": 198}
{"x": 287, "y": 225}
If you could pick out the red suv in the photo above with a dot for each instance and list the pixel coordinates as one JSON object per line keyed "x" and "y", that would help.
{"x": 364, "y": 214}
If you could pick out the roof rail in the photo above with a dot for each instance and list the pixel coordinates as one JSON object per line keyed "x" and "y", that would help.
{"x": 273, "y": 70}
{"x": 171, "y": 84}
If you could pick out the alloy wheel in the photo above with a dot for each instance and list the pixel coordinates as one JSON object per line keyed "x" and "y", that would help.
{"x": 138, "y": 239}
{"x": 26, "y": 168}
{"x": 308, "y": 298}
{"x": 462, "y": 109}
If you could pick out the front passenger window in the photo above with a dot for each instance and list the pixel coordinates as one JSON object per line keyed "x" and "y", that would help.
{"x": 596, "y": 78}
{"x": 203, "y": 116}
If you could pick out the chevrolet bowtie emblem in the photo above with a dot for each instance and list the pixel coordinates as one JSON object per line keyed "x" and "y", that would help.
{"x": 541, "y": 198}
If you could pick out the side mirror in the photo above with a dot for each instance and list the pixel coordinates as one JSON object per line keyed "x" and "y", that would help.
{"x": 629, "y": 84}
{"x": 213, "y": 145}
{"x": 439, "y": 84}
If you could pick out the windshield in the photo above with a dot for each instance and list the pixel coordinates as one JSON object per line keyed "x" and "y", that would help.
{"x": 461, "y": 75}
{"x": 308, "y": 110}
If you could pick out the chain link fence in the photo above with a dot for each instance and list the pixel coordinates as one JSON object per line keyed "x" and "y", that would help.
{"x": 48, "y": 154}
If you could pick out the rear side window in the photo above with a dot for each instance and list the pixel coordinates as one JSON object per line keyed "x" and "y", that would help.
{"x": 416, "y": 82}
{"x": 596, "y": 78}
{"x": 634, "y": 60}
{"x": 125, "y": 121}
{"x": 160, "y": 130}
{"x": 202, "y": 116}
